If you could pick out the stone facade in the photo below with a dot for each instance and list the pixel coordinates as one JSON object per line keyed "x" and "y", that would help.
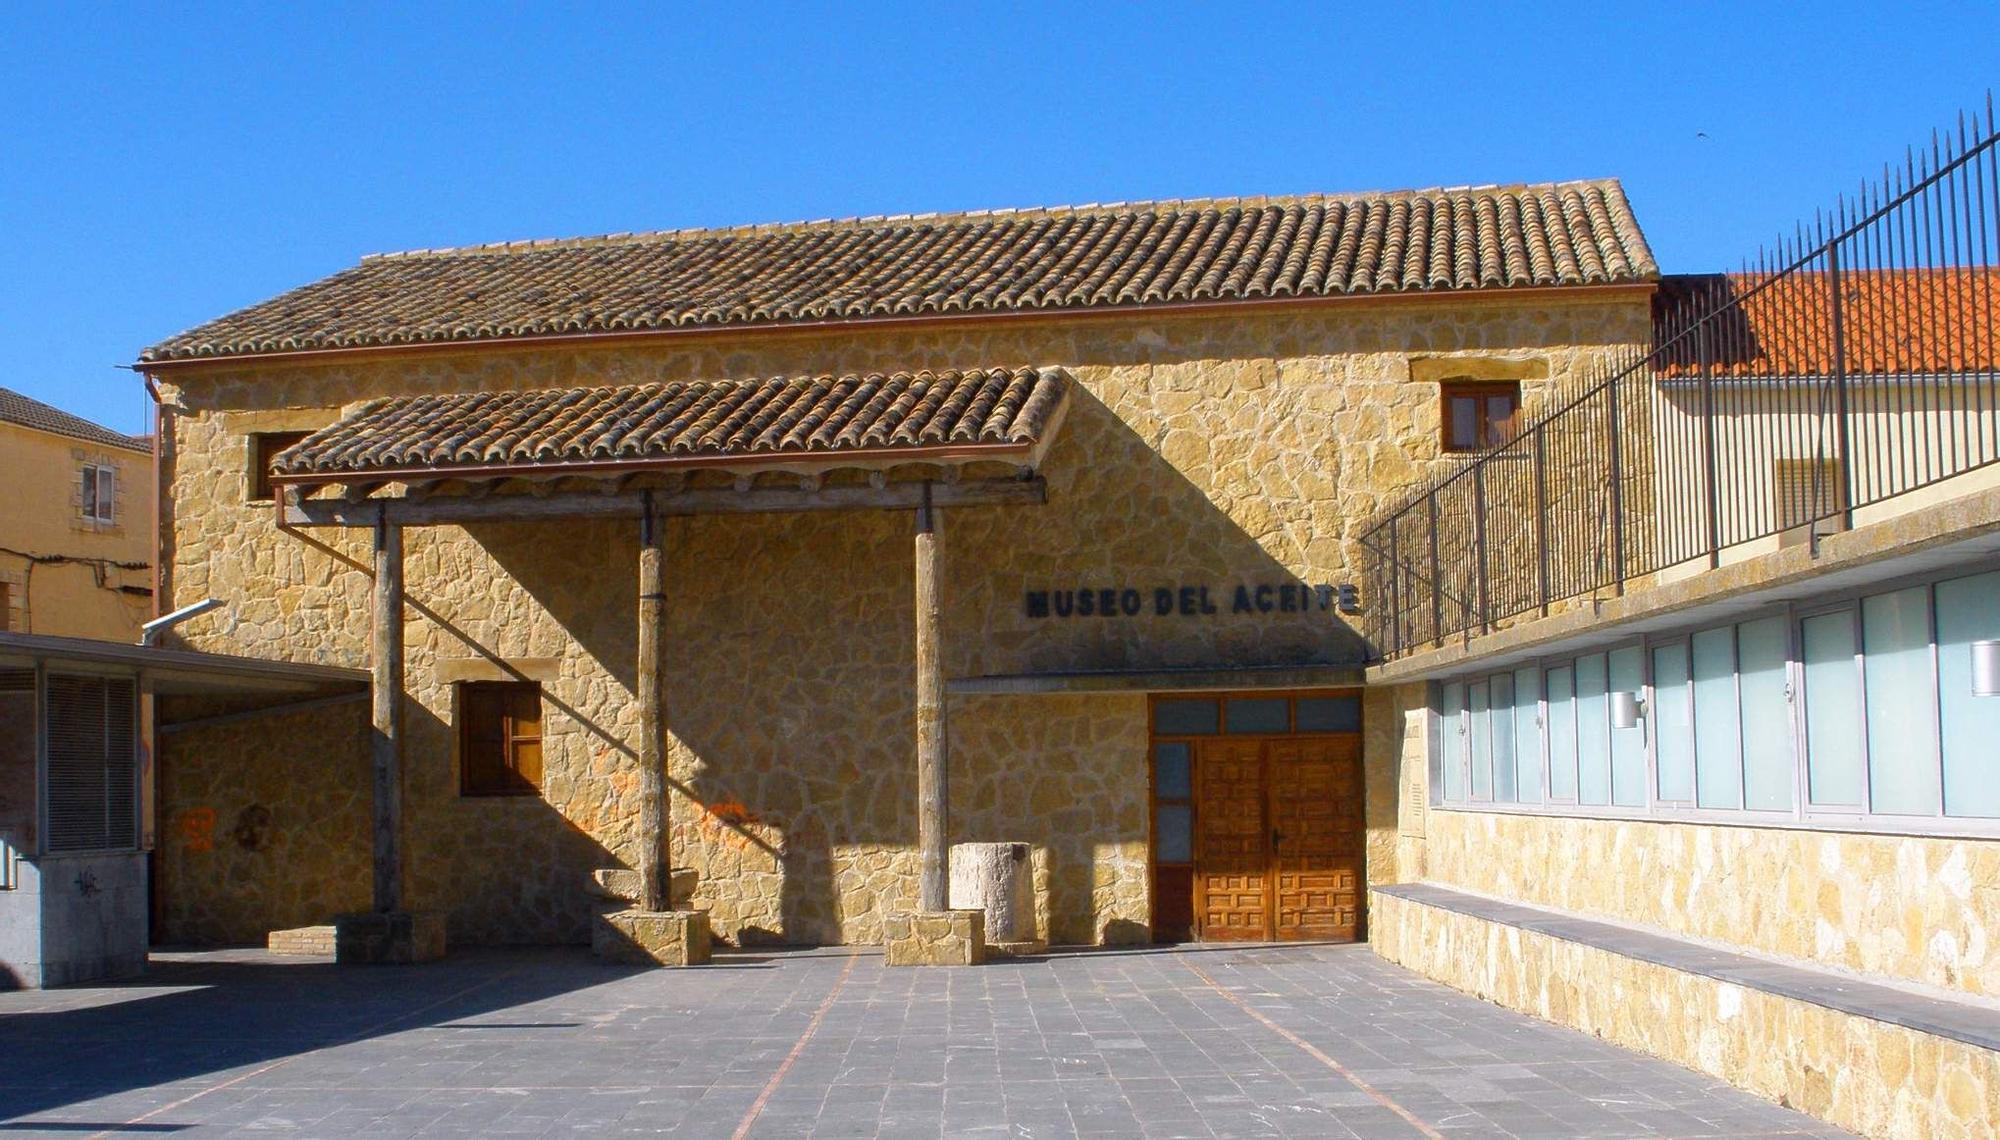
{"x": 1217, "y": 449}
{"x": 1920, "y": 909}
{"x": 1874, "y": 1077}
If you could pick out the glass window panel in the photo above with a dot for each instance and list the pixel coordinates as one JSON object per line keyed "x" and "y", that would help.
{"x": 1329, "y": 714}
{"x": 1902, "y": 710}
{"x": 1833, "y": 711}
{"x": 1186, "y": 717}
{"x": 1718, "y": 767}
{"x": 1593, "y": 728}
{"x": 1476, "y": 710}
{"x": 1562, "y": 734}
{"x": 1464, "y": 422}
{"x": 1503, "y": 738}
{"x": 1260, "y": 714}
{"x": 1968, "y": 610}
{"x": 1172, "y": 772}
{"x": 1451, "y": 740}
{"x": 1763, "y": 688}
{"x": 1173, "y": 833}
{"x": 1528, "y": 735}
{"x": 1673, "y": 723}
{"x": 1628, "y": 745}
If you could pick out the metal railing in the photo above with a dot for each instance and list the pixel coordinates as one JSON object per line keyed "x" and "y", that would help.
{"x": 1854, "y": 364}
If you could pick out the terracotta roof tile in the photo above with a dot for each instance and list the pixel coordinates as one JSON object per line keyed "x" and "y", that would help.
{"x": 1892, "y": 321}
{"x": 18, "y": 409}
{"x": 1570, "y": 233}
{"x": 811, "y": 419}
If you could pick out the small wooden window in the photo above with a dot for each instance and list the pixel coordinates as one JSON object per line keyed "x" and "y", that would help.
{"x": 264, "y": 447}
{"x": 500, "y": 738}
{"x": 6, "y": 606}
{"x": 1480, "y": 414}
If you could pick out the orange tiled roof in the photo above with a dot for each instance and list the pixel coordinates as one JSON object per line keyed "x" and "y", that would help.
{"x": 997, "y": 412}
{"x": 1892, "y": 321}
{"x": 1567, "y": 233}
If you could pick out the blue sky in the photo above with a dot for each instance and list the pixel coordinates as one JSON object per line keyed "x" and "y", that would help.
{"x": 163, "y": 165}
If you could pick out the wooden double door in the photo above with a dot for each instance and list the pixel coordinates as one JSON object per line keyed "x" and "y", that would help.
{"x": 1279, "y": 838}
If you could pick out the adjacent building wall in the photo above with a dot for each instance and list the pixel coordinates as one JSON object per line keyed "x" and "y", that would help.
{"x": 1197, "y": 450}
{"x": 62, "y": 572}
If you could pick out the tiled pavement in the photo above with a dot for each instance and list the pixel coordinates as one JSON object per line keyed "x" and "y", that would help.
{"x": 1284, "y": 1042}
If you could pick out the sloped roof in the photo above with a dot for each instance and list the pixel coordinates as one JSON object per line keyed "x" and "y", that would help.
{"x": 1074, "y": 258}
{"x": 18, "y": 409}
{"x": 967, "y": 415}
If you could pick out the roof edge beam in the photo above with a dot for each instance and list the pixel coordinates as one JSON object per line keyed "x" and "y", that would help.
{"x": 454, "y": 510}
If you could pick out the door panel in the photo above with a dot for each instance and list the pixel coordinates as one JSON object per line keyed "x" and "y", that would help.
{"x": 1316, "y": 837}
{"x": 1232, "y": 861}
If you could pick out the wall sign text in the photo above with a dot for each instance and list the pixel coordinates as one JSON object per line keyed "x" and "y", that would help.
{"x": 1194, "y": 601}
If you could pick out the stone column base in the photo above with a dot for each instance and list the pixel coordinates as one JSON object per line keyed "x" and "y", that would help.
{"x": 394, "y": 938}
{"x": 1027, "y": 949}
{"x": 935, "y": 938}
{"x": 652, "y": 937}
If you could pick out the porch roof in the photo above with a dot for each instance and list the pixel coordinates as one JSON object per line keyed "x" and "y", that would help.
{"x": 803, "y": 423}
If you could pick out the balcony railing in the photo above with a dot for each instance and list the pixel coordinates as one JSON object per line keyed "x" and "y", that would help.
{"x": 1858, "y": 363}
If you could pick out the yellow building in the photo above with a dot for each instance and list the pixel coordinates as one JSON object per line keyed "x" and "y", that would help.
{"x": 76, "y": 546}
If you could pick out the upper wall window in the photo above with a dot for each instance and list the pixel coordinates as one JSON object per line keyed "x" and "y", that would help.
{"x": 1480, "y": 413}
{"x": 264, "y": 447}
{"x": 99, "y": 492}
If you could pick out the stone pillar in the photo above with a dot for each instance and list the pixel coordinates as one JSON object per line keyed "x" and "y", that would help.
{"x": 385, "y": 648}
{"x": 653, "y": 806}
{"x": 933, "y": 760}
{"x": 387, "y": 934}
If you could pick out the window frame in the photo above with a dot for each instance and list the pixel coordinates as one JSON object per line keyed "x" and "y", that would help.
{"x": 464, "y": 735}
{"x": 96, "y": 507}
{"x": 1479, "y": 391}
{"x": 1803, "y": 815}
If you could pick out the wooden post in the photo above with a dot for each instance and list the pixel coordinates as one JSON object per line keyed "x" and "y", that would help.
{"x": 932, "y": 750}
{"x": 653, "y": 878}
{"x": 386, "y": 691}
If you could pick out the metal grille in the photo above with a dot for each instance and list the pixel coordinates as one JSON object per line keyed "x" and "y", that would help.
{"x": 93, "y": 766}
{"x": 1858, "y": 362}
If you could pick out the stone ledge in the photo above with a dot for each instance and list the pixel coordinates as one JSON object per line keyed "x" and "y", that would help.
{"x": 622, "y": 885}
{"x": 653, "y": 938}
{"x": 1971, "y": 1022}
{"x": 1864, "y": 1074}
{"x": 316, "y": 940}
{"x": 393, "y": 938}
{"x": 934, "y": 938}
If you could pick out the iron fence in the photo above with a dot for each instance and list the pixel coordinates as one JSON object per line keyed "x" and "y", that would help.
{"x": 1854, "y": 364}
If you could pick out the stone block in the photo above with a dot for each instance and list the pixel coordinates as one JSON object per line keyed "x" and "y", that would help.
{"x": 660, "y": 938}
{"x": 391, "y": 938}
{"x": 301, "y": 940}
{"x": 935, "y": 938}
{"x": 622, "y": 884}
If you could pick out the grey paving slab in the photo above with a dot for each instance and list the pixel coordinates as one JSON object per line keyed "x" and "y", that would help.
{"x": 1195, "y": 1044}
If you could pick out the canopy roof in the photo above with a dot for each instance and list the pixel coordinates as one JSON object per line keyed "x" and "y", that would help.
{"x": 802, "y": 423}
{"x": 1136, "y": 254}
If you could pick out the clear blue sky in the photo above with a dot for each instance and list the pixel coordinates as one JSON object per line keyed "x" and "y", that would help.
{"x": 159, "y": 167}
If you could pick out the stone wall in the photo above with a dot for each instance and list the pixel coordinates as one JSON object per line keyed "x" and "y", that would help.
{"x": 1870, "y": 1076}
{"x": 1915, "y": 908}
{"x": 1198, "y": 450}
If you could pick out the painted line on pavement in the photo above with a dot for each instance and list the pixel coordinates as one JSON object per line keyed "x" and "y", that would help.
{"x": 777, "y": 1078}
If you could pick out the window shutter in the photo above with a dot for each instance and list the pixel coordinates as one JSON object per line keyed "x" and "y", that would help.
{"x": 92, "y": 773}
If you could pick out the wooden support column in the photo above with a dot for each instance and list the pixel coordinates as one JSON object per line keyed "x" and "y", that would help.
{"x": 386, "y": 692}
{"x": 933, "y": 758}
{"x": 653, "y": 806}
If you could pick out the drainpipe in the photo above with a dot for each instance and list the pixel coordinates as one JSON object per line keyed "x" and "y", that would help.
{"x": 159, "y": 541}
{"x": 149, "y": 634}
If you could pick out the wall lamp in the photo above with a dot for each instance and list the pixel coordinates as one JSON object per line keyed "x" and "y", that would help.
{"x": 1986, "y": 668}
{"x": 1626, "y": 710}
